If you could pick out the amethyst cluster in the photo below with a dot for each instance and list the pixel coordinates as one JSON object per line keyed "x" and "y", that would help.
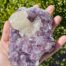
{"x": 27, "y": 45}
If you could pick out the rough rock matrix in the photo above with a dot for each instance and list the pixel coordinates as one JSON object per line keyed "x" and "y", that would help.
{"x": 30, "y": 36}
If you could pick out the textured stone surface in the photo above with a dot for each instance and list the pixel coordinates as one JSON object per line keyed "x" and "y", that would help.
{"x": 27, "y": 45}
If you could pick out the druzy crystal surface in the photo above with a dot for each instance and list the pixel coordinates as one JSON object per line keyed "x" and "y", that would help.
{"x": 30, "y": 36}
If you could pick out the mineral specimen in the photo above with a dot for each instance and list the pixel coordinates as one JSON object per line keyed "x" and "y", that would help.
{"x": 30, "y": 36}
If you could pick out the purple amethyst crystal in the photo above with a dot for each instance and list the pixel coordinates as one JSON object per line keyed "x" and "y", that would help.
{"x": 27, "y": 45}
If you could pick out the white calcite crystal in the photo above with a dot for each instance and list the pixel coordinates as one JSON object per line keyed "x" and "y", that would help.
{"x": 30, "y": 36}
